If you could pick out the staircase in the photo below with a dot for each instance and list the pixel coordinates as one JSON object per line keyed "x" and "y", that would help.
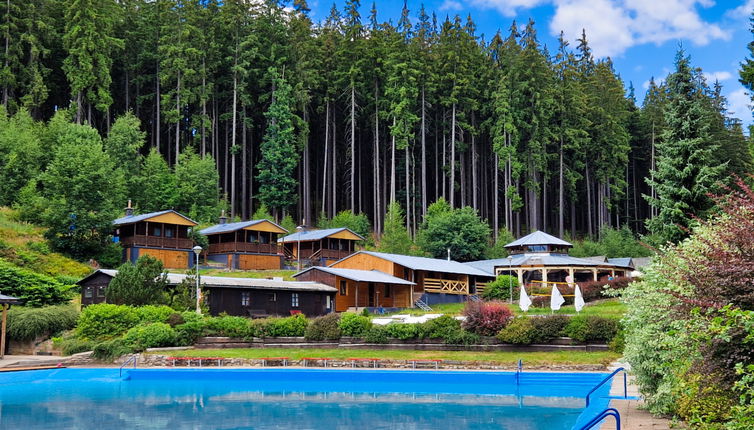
{"x": 423, "y": 306}
{"x": 474, "y": 298}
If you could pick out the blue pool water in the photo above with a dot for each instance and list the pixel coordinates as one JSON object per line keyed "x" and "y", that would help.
{"x": 294, "y": 399}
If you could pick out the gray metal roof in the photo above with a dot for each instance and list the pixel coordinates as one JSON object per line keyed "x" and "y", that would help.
{"x": 309, "y": 235}
{"x": 9, "y": 300}
{"x": 136, "y": 218}
{"x": 640, "y": 262}
{"x": 538, "y": 238}
{"x": 428, "y": 264}
{"x": 251, "y": 283}
{"x": 539, "y": 260}
{"x": 360, "y": 275}
{"x": 234, "y": 226}
{"x": 621, "y": 262}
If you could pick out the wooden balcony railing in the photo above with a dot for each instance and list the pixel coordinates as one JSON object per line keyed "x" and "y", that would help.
{"x": 158, "y": 242}
{"x": 334, "y": 254}
{"x": 256, "y": 248}
{"x": 447, "y": 286}
{"x": 480, "y": 287}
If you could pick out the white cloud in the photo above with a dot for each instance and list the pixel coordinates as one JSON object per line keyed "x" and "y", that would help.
{"x": 739, "y": 105}
{"x": 507, "y": 7}
{"x": 451, "y": 5}
{"x": 743, "y": 11}
{"x": 612, "y": 26}
{"x": 717, "y": 76}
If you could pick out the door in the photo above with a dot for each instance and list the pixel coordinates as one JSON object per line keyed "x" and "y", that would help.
{"x": 371, "y": 295}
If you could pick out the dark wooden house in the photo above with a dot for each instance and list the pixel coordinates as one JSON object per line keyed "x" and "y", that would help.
{"x": 245, "y": 245}
{"x": 248, "y": 297}
{"x": 320, "y": 247}
{"x": 163, "y": 235}
{"x": 362, "y": 288}
{"x": 436, "y": 281}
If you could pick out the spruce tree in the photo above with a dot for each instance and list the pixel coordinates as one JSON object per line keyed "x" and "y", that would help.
{"x": 395, "y": 239}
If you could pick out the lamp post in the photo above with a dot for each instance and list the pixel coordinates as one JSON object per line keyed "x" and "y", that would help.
{"x": 299, "y": 229}
{"x": 510, "y": 279}
{"x": 197, "y": 250}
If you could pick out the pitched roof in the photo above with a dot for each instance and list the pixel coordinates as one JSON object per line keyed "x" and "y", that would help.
{"x": 540, "y": 260}
{"x": 538, "y": 238}
{"x": 234, "y": 226}
{"x": 621, "y": 262}
{"x": 309, "y": 235}
{"x": 360, "y": 275}
{"x": 223, "y": 282}
{"x": 428, "y": 264}
{"x": 142, "y": 217}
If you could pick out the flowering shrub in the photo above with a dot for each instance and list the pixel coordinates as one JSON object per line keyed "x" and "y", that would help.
{"x": 486, "y": 319}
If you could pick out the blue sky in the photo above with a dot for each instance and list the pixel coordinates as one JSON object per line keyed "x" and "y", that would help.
{"x": 641, "y": 36}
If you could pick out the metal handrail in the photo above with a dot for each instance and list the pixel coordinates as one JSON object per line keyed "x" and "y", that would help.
{"x": 133, "y": 358}
{"x": 609, "y": 412}
{"x": 519, "y": 369}
{"x": 609, "y": 377}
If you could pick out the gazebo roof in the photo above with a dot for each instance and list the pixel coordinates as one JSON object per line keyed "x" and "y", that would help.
{"x": 538, "y": 238}
{"x": 10, "y": 300}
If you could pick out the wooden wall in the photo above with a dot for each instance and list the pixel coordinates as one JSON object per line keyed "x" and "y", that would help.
{"x": 400, "y": 295}
{"x": 367, "y": 262}
{"x": 171, "y": 259}
{"x": 259, "y": 262}
{"x": 96, "y": 285}
{"x": 267, "y": 302}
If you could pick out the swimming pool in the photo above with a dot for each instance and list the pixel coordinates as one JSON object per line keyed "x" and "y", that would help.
{"x": 294, "y": 399}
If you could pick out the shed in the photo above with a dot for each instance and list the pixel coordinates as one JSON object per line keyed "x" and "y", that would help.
{"x": 245, "y": 245}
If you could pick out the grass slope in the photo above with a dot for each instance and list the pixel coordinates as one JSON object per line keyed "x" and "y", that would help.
{"x": 24, "y": 245}
{"x": 602, "y": 308}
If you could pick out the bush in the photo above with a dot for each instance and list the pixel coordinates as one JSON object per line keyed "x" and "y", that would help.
{"x": 142, "y": 283}
{"x": 105, "y": 321}
{"x": 260, "y": 327}
{"x": 150, "y": 335}
{"x": 376, "y": 334}
{"x": 500, "y": 288}
{"x": 33, "y": 288}
{"x": 402, "y": 331}
{"x": 324, "y": 328}
{"x": 175, "y": 319}
{"x": 540, "y": 302}
{"x": 443, "y": 327}
{"x": 29, "y": 323}
{"x": 75, "y": 345}
{"x": 550, "y": 326}
{"x": 520, "y": 331}
{"x": 592, "y": 328}
{"x": 229, "y": 326}
{"x": 291, "y": 326}
{"x": 188, "y": 332}
{"x": 486, "y": 319}
{"x": 595, "y": 290}
{"x": 462, "y": 337}
{"x": 109, "y": 350}
{"x": 354, "y": 325}
{"x": 618, "y": 343}
{"x": 152, "y": 313}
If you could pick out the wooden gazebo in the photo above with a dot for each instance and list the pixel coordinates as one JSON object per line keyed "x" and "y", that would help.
{"x": 5, "y": 301}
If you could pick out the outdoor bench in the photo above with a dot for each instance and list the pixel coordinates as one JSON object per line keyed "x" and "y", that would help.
{"x": 429, "y": 361}
{"x": 374, "y": 361}
{"x": 283, "y": 360}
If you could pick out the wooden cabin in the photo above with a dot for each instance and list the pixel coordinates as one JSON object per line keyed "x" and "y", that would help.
{"x": 320, "y": 247}
{"x": 245, "y": 245}
{"x": 362, "y": 288}
{"x": 539, "y": 258}
{"x": 163, "y": 235}
{"x": 436, "y": 281}
{"x": 247, "y": 297}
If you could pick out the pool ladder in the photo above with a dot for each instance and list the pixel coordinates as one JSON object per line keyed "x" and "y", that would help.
{"x": 133, "y": 358}
{"x": 608, "y": 412}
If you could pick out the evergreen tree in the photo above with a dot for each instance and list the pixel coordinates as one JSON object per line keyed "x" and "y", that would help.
{"x": 154, "y": 186}
{"x": 686, "y": 172}
{"x": 277, "y": 188}
{"x": 21, "y": 154}
{"x": 139, "y": 284}
{"x": 197, "y": 186}
{"x": 395, "y": 239}
{"x": 459, "y": 230}
{"x": 746, "y": 73}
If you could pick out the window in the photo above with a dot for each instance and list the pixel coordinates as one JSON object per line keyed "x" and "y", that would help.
{"x": 168, "y": 231}
{"x": 329, "y": 302}
{"x": 387, "y": 291}
{"x": 245, "y": 298}
{"x": 157, "y": 230}
{"x": 272, "y": 297}
{"x": 101, "y": 292}
{"x": 343, "y": 288}
{"x": 263, "y": 238}
{"x": 88, "y": 292}
{"x": 294, "y": 300}
{"x": 252, "y": 237}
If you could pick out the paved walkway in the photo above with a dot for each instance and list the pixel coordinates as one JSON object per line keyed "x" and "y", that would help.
{"x": 632, "y": 417}
{"x": 31, "y": 360}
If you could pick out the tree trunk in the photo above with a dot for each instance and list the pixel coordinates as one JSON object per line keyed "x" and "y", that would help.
{"x": 178, "y": 123}
{"x": 7, "y": 50}
{"x": 392, "y": 166}
{"x": 204, "y": 107}
{"x": 408, "y": 192}
{"x": 234, "y": 127}
{"x": 495, "y": 200}
{"x": 561, "y": 196}
{"x": 334, "y": 184}
{"x": 327, "y": 155}
{"x": 453, "y": 157}
{"x": 424, "y": 155}
{"x": 353, "y": 147}
{"x": 589, "y": 229}
{"x": 376, "y": 164}
{"x": 244, "y": 168}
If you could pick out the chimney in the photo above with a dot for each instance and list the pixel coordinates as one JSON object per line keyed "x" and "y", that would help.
{"x": 223, "y": 218}
{"x": 129, "y": 209}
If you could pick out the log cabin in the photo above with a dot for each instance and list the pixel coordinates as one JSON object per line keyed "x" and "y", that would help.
{"x": 436, "y": 281}
{"x": 163, "y": 235}
{"x": 245, "y": 245}
{"x": 539, "y": 258}
{"x": 247, "y": 297}
{"x": 358, "y": 289}
{"x": 320, "y": 247}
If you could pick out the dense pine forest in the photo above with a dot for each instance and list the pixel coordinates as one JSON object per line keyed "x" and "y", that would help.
{"x": 205, "y": 104}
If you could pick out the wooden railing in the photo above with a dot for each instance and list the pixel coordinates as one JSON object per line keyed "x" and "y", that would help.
{"x": 256, "y": 248}
{"x": 447, "y": 286}
{"x": 480, "y": 287}
{"x": 334, "y": 254}
{"x": 158, "y": 242}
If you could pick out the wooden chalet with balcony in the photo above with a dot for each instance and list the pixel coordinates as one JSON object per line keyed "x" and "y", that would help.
{"x": 358, "y": 289}
{"x": 435, "y": 280}
{"x": 320, "y": 247}
{"x": 245, "y": 245}
{"x": 163, "y": 235}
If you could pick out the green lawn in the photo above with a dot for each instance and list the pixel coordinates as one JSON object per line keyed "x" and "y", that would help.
{"x": 529, "y": 358}
{"x": 603, "y": 308}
